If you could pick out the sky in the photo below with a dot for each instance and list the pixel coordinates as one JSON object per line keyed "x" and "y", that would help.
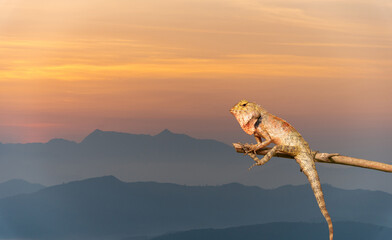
{"x": 68, "y": 67}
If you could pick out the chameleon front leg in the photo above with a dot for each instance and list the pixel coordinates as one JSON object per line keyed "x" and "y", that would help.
{"x": 260, "y": 144}
{"x": 266, "y": 157}
{"x": 258, "y": 139}
{"x": 252, "y": 154}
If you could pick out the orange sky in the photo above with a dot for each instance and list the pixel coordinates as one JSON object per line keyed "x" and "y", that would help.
{"x": 69, "y": 67}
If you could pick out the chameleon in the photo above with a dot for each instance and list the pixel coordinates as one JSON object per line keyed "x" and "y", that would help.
{"x": 257, "y": 121}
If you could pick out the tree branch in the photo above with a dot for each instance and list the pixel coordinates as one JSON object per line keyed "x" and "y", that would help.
{"x": 333, "y": 158}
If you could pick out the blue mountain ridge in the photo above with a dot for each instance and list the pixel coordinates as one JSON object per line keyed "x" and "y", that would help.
{"x": 286, "y": 231}
{"x": 18, "y": 186}
{"x": 165, "y": 157}
{"x": 108, "y": 208}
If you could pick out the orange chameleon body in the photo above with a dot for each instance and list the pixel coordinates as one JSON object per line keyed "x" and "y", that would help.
{"x": 255, "y": 120}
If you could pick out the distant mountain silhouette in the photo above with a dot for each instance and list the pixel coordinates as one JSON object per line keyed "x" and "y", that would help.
{"x": 109, "y": 208}
{"x": 286, "y": 231}
{"x": 18, "y": 186}
{"x": 165, "y": 146}
{"x": 165, "y": 157}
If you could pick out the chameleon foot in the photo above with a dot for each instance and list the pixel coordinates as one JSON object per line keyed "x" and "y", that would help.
{"x": 248, "y": 148}
{"x": 258, "y": 163}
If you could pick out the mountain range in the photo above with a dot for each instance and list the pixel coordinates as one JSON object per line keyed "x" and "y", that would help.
{"x": 165, "y": 157}
{"x": 107, "y": 208}
{"x": 18, "y": 186}
{"x": 286, "y": 231}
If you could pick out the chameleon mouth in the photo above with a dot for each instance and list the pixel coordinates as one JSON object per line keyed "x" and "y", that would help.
{"x": 234, "y": 112}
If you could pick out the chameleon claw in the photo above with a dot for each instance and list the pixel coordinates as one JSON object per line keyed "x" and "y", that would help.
{"x": 252, "y": 166}
{"x": 251, "y": 148}
{"x": 247, "y": 148}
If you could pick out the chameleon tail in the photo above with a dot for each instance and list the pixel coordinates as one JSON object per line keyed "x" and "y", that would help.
{"x": 309, "y": 169}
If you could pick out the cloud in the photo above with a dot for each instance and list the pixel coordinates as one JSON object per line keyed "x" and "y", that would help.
{"x": 91, "y": 62}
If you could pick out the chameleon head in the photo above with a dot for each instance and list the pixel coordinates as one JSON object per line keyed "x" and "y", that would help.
{"x": 246, "y": 114}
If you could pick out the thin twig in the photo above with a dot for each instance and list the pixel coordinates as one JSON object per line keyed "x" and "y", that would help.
{"x": 329, "y": 158}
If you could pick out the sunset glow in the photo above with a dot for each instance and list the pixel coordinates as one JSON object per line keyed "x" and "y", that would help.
{"x": 69, "y": 67}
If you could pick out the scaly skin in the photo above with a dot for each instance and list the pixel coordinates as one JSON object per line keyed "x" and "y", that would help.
{"x": 255, "y": 120}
